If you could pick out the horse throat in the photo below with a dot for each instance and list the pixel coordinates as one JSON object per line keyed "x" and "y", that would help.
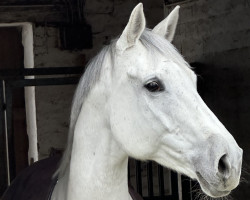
{"x": 98, "y": 167}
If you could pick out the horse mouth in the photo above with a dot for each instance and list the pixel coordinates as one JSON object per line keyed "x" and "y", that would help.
{"x": 209, "y": 189}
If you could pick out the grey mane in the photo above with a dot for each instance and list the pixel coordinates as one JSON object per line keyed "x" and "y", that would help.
{"x": 153, "y": 42}
{"x": 86, "y": 83}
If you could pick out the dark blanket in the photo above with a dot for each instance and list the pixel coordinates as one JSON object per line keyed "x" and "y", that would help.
{"x": 36, "y": 183}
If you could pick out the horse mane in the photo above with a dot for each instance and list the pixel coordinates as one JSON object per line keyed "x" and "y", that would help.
{"x": 152, "y": 42}
{"x": 86, "y": 83}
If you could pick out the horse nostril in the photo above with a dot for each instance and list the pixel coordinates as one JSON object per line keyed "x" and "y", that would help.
{"x": 223, "y": 165}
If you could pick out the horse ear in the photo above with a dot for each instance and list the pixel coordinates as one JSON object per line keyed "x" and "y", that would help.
{"x": 133, "y": 30}
{"x": 167, "y": 27}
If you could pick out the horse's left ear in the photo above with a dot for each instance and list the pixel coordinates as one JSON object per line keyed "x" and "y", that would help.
{"x": 133, "y": 30}
{"x": 167, "y": 27}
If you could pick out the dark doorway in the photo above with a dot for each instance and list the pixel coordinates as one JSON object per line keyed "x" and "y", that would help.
{"x": 11, "y": 57}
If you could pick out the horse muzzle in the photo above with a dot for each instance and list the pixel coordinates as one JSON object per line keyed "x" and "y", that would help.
{"x": 224, "y": 175}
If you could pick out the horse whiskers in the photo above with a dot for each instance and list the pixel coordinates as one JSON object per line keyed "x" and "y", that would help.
{"x": 245, "y": 174}
{"x": 195, "y": 186}
{"x": 196, "y": 190}
{"x": 200, "y": 195}
{"x": 243, "y": 180}
{"x": 245, "y": 168}
{"x": 245, "y": 171}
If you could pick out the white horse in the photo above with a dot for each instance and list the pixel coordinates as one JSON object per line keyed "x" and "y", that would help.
{"x": 138, "y": 98}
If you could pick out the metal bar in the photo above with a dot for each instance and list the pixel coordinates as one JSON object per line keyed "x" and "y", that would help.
{"x": 138, "y": 177}
{"x": 161, "y": 180}
{"x": 15, "y": 79}
{"x": 43, "y": 82}
{"x": 150, "y": 179}
{"x": 174, "y": 186}
{"x": 3, "y": 161}
{"x": 186, "y": 188}
{"x": 10, "y": 135}
{"x": 10, "y": 84}
{"x": 19, "y": 73}
{"x": 6, "y": 134}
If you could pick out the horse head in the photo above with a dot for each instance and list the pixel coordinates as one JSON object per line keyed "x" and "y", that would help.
{"x": 157, "y": 114}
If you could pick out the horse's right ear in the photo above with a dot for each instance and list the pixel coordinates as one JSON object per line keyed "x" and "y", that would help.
{"x": 133, "y": 30}
{"x": 167, "y": 27}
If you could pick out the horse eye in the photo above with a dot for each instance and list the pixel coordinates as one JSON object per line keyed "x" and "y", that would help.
{"x": 154, "y": 86}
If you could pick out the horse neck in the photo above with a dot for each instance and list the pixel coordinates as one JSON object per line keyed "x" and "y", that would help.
{"x": 98, "y": 168}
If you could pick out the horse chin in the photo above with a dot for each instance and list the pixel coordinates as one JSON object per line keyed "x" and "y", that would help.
{"x": 210, "y": 190}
